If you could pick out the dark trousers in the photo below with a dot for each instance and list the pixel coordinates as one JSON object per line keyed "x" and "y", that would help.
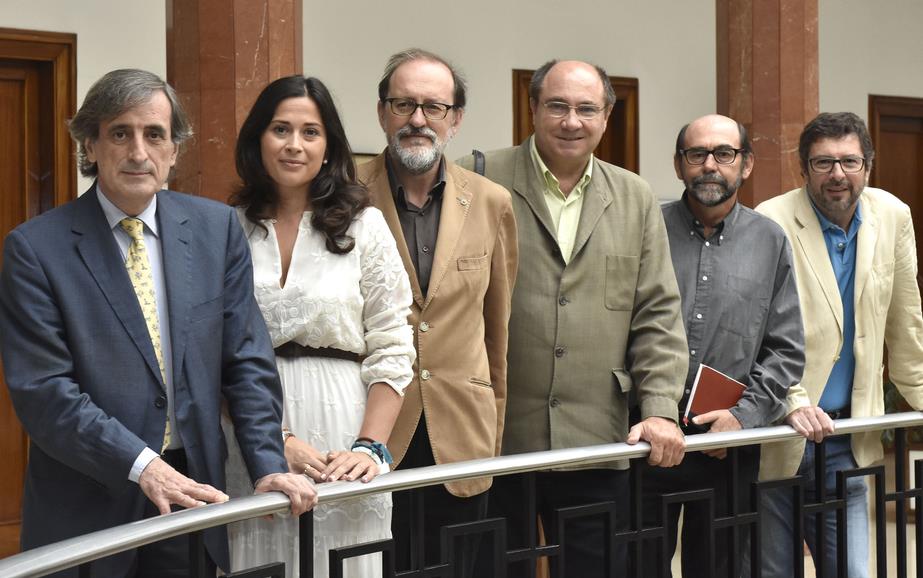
{"x": 700, "y": 542}
{"x": 168, "y": 558}
{"x": 412, "y": 528}
{"x": 584, "y": 538}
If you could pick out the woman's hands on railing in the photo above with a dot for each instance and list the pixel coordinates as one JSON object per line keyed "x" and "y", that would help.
{"x": 303, "y": 458}
{"x": 350, "y": 466}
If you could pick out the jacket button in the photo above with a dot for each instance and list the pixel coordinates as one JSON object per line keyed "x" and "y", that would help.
{"x": 424, "y": 326}
{"x": 559, "y": 351}
{"x": 555, "y": 402}
{"x": 160, "y": 402}
{"x": 424, "y": 374}
{"x": 562, "y": 301}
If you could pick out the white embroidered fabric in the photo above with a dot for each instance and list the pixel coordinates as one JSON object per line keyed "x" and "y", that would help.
{"x": 356, "y": 302}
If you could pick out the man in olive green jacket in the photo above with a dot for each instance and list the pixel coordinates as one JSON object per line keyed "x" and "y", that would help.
{"x": 595, "y": 311}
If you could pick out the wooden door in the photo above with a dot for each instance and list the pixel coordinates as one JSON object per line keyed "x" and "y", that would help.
{"x": 619, "y": 144}
{"x": 896, "y": 125}
{"x": 37, "y": 80}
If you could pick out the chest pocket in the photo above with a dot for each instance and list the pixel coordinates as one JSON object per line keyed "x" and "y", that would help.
{"x": 745, "y": 306}
{"x": 621, "y": 281}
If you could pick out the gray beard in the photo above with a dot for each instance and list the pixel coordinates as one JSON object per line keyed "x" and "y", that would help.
{"x": 703, "y": 189}
{"x": 417, "y": 161}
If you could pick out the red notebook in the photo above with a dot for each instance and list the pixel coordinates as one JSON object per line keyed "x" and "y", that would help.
{"x": 711, "y": 390}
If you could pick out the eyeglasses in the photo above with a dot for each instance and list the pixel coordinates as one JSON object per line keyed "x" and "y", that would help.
{"x": 722, "y": 155}
{"x": 824, "y": 165}
{"x": 558, "y": 109}
{"x": 408, "y": 106}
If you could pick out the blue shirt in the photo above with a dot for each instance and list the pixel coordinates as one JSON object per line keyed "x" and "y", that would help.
{"x": 841, "y": 247}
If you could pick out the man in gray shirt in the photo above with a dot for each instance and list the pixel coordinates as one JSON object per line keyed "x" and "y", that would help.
{"x": 742, "y": 317}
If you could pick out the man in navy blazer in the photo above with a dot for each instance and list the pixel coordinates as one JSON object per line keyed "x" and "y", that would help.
{"x": 115, "y": 435}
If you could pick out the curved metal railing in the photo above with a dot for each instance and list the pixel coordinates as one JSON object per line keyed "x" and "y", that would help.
{"x": 75, "y": 551}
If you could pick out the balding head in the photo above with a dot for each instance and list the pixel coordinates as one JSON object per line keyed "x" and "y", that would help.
{"x": 713, "y": 157}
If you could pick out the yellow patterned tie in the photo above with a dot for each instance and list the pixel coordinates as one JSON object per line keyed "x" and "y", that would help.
{"x": 139, "y": 270}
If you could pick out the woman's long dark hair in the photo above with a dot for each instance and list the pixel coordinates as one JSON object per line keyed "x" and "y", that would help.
{"x": 336, "y": 197}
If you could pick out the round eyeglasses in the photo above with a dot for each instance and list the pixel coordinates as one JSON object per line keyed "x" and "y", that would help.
{"x": 408, "y": 106}
{"x": 722, "y": 155}
{"x": 824, "y": 165}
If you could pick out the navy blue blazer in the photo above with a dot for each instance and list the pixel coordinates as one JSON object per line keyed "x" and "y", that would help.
{"x": 83, "y": 377}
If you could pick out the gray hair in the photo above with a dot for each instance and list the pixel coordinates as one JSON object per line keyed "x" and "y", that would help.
{"x": 112, "y": 95}
{"x": 538, "y": 78}
{"x": 405, "y": 56}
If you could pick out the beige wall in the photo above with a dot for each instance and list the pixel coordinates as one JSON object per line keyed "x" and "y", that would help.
{"x": 869, "y": 48}
{"x": 110, "y": 34}
{"x": 865, "y": 47}
{"x": 672, "y": 57}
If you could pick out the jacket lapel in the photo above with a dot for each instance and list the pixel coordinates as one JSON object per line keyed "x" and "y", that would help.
{"x": 595, "y": 200}
{"x": 177, "y": 270}
{"x": 456, "y": 201}
{"x": 100, "y": 254}
{"x": 526, "y": 184}
{"x": 865, "y": 246}
{"x": 380, "y": 189}
{"x": 811, "y": 243}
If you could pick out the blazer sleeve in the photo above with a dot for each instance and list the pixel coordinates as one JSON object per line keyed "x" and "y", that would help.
{"x": 657, "y": 352}
{"x": 503, "y": 267}
{"x": 250, "y": 382}
{"x": 61, "y": 420}
{"x": 904, "y": 325}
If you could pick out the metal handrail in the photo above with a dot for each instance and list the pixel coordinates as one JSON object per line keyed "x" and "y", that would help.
{"x": 81, "y": 549}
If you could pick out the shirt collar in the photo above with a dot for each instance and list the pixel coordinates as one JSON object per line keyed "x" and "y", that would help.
{"x": 828, "y": 225}
{"x": 397, "y": 189}
{"x": 114, "y": 215}
{"x": 724, "y": 229}
{"x": 551, "y": 181}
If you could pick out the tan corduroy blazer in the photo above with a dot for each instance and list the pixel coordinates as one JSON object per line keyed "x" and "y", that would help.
{"x": 887, "y": 312}
{"x": 460, "y": 326}
{"x": 583, "y": 334}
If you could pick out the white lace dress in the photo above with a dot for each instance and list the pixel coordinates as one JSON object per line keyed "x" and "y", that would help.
{"x": 356, "y": 302}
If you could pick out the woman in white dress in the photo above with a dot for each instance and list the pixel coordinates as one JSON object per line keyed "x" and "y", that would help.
{"x": 332, "y": 289}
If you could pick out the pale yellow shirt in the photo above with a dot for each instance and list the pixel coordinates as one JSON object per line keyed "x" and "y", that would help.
{"x": 565, "y": 210}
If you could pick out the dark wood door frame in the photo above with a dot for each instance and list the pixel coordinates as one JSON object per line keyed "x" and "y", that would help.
{"x": 882, "y": 107}
{"x": 620, "y": 143}
{"x": 38, "y": 71}
{"x": 58, "y": 51}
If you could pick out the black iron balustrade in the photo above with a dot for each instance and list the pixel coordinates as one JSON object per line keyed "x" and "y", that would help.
{"x": 81, "y": 551}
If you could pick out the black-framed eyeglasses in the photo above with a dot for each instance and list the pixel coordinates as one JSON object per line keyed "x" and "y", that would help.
{"x": 824, "y": 165}
{"x": 722, "y": 155}
{"x": 558, "y": 109}
{"x": 408, "y": 106}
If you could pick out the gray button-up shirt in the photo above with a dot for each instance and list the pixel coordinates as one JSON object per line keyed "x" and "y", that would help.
{"x": 740, "y": 306}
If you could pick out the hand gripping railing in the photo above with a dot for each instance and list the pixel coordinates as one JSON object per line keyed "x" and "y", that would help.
{"x": 75, "y": 551}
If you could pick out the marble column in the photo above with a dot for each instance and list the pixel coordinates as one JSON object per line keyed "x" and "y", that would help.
{"x": 768, "y": 80}
{"x": 220, "y": 54}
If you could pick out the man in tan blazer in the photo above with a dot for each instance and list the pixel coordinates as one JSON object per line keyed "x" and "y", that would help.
{"x": 595, "y": 314}
{"x": 856, "y": 268}
{"x": 456, "y": 234}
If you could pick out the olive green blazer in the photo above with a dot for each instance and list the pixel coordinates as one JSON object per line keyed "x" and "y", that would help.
{"x": 584, "y": 334}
